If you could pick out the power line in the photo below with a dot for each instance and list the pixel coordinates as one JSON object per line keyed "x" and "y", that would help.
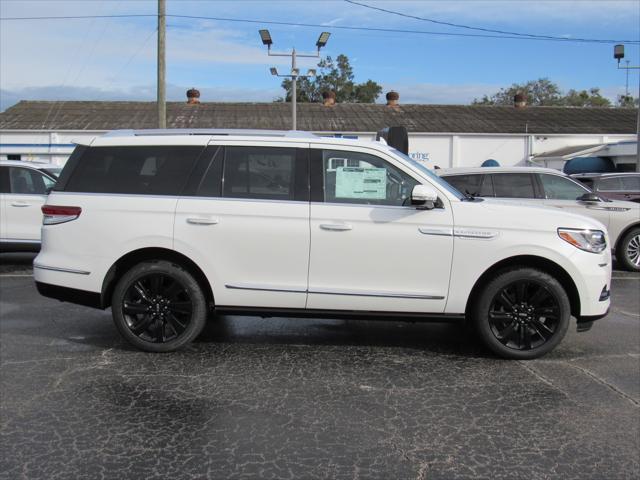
{"x": 340, "y": 27}
{"x": 481, "y": 29}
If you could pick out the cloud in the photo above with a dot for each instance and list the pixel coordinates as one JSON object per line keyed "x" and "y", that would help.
{"x": 146, "y": 93}
{"x": 434, "y": 93}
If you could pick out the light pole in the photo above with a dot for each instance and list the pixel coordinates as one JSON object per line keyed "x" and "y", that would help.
{"x": 618, "y": 54}
{"x": 161, "y": 88}
{"x": 265, "y": 36}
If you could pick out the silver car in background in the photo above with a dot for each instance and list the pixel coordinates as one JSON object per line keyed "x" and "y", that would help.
{"x": 553, "y": 188}
{"x": 24, "y": 187}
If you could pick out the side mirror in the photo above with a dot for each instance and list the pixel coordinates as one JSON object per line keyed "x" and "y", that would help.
{"x": 589, "y": 197}
{"x": 424, "y": 197}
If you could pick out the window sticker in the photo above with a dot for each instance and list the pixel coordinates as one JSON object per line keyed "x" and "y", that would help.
{"x": 356, "y": 182}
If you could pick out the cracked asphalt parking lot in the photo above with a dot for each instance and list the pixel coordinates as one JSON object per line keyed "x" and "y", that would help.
{"x": 306, "y": 398}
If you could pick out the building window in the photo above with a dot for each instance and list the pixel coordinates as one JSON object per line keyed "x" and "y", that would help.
{"x": 14, "y": 156}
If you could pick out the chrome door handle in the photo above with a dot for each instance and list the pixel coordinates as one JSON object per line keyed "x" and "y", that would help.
{"x": 20, "y": 204}
{"x": 336, "y": 227}
{"x": 202, "y": 221}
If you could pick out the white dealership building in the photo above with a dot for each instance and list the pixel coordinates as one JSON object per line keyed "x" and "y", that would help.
{"x": 439, "y": 135}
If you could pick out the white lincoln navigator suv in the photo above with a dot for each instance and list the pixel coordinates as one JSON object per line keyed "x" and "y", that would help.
{"x": 167, "y": 226}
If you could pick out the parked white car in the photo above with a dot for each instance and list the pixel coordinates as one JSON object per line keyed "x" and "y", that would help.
{"x": 23, "y": 190}
{"x": 166, "y": 226}
{"x": 544, "y": 186}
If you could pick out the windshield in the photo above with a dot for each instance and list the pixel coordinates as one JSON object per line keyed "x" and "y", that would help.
{"x": 432, "y": 176}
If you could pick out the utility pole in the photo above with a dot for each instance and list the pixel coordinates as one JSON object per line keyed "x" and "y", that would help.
{"x": 265, "y": 36}
{"x": 627, "y": 84}
{"x": 294, "y": 91}
{"x": 162, "y": 105}
{"x": 618, "y": 54}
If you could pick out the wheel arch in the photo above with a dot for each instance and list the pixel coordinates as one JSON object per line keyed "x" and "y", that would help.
{"x": 124, "y": 263}
{"x": 531, "y": 261}
{"x": 623, "y": 234}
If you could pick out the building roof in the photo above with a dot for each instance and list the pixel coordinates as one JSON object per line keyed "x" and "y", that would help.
{"x": 90, "y": 115}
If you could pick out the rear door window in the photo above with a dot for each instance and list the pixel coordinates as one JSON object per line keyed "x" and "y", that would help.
{"x": 155, "y": 170}
{"x": 513, "y": 185}
{"x": 610, "y": 184}
{"x": 631, "y": 183}
{"x": 267, "y": 173}
{"x": 27, "y": 181}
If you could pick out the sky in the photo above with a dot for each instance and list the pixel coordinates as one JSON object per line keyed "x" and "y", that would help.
{"x": 115, "y": 58}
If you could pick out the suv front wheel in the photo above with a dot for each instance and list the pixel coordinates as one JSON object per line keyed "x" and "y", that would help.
{"x": 628, "y": 253}
{"x": 522, "y": 313}
{"x": 158, "y": 306}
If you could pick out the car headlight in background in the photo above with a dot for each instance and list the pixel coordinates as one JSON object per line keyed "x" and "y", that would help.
{"x": 593, "y": 241}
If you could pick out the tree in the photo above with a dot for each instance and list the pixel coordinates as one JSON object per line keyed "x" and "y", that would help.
{"x": 627, "y": 101}
{"x": 541, "y": 92}
{"x": 335, "y": 75}
{"x": 591, "y": 98}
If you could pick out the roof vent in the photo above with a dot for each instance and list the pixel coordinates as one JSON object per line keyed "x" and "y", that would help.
{"x": 520, "y": 100}
{"x": 392, "y": 98}
{"x": 193, "y": 96}
{"x": 329, "y": 98}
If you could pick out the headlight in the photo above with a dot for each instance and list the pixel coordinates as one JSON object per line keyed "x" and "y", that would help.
{"x": 593, "y": 241}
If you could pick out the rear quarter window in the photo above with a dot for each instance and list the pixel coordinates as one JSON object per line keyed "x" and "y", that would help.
{"x": 133, "y": 170}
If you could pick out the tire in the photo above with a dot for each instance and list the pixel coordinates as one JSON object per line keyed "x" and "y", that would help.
{"x": 628, "y": 251}
{"x": 158, "y": 306}
{"x": 522, "y": 313}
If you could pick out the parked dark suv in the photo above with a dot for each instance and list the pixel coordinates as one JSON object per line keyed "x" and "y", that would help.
{"x": 615, "y": 186}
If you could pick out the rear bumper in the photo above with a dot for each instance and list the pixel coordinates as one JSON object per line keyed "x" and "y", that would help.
{"x": 17, "y": 246}
{"x": 72, "y": 295}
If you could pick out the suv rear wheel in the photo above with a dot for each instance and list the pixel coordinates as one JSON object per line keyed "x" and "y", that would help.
{"x": 158, "y": 306}
{"x": 628, "y": 252}
{"x": 522, "y": 314}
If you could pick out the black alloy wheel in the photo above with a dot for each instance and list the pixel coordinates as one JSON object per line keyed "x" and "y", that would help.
{"x": 524, "y": 315}
{"x": 521, "y": 313}
{"x": 158, "y": 306}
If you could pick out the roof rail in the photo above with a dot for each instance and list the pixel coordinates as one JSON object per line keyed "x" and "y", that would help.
{"x": 210, "y": 132}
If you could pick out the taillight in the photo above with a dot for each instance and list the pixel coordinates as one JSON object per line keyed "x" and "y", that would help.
{"x": 54, "y": 214}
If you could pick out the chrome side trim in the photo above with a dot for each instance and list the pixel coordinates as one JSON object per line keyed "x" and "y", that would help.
{"x": 58, "y": 269}
{"x": 480, "y": 234}
{"x": 609, "y": 209}
{"x": 18, "y": 240}
{"x": 262, "y": 288}
{"x": 365, "y": 293}
{"x": 366, "y": 205}
{"x": 444, "y": 232}
{"x": 333, "y": 292}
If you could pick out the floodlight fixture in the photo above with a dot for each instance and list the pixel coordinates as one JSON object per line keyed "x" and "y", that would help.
{"x": 274, "y": 71}
{"x": 265, "y": 36}
{"x": 311, "y": 72}
{"x": 295, "y": 72}
{"x": 323, "y": 39}
{"x": 618, "y": 52}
